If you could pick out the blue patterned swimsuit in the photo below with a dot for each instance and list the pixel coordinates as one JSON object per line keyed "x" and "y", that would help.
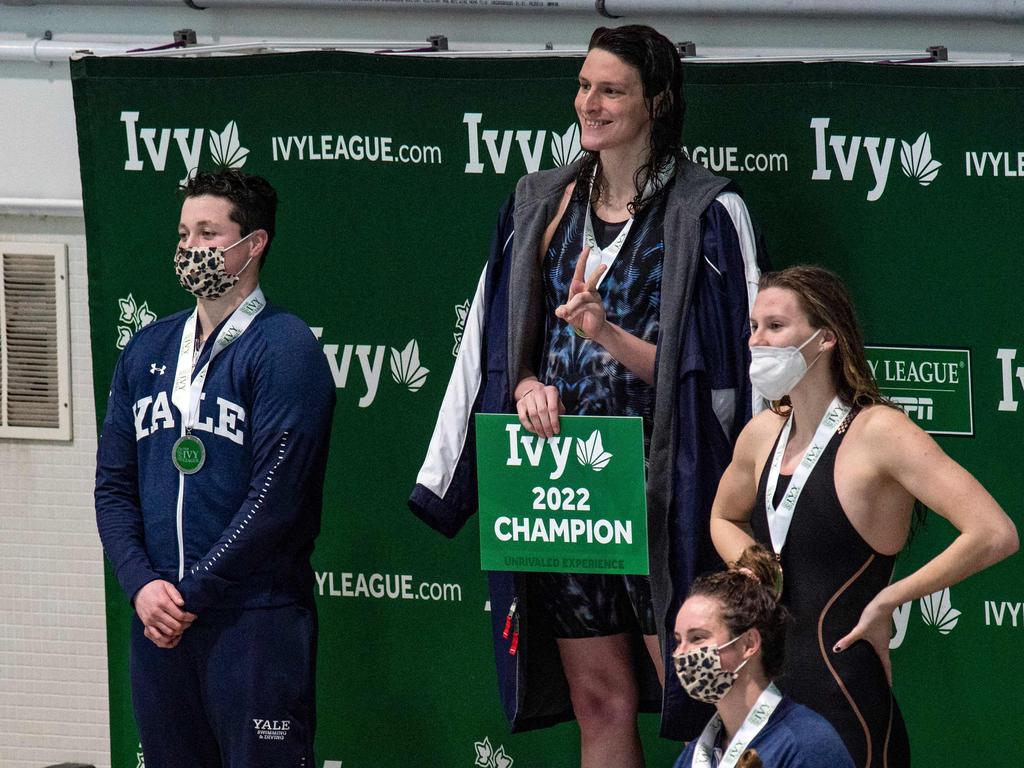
{"x": 591, "y": 382}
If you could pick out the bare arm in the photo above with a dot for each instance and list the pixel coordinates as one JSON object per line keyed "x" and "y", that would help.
{"x": 737, "y": 490}
{"x": 912, "y": 458}
{"x": 636, "y": 354}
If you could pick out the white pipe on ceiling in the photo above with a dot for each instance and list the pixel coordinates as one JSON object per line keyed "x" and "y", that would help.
{"x": 40, "y": 206}
{"x": 976, "y": 10}
{"x": 43, "y": 50}
{"x": 591, "y": 6}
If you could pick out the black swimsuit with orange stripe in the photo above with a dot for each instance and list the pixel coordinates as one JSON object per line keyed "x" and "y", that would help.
{"x": 830, "y": 574}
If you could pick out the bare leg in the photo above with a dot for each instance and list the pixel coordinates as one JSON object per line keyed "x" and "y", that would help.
{"x": 603, "y": 688}
{"x": 654, "y": 648}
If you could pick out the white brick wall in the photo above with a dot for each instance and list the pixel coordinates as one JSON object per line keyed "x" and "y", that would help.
{"x": 53, "y": 650}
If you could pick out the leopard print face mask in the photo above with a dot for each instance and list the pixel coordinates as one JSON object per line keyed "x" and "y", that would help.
{"x": 701, "y": 675}
{"x": 201, "y": 270}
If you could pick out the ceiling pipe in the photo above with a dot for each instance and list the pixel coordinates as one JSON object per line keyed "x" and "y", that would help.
{"x": 966, "y": 10}
{"x": 973, "y": 10}
{"x": 43, "y": 51}
{"x": 589, "y": 6}
{"x": 26, "y": 206}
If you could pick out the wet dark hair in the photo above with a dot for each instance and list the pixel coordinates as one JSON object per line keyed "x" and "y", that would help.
{"x": 253, "y": 199}
{"x": 661, "y": 72}
{"x": 749, "y": 602}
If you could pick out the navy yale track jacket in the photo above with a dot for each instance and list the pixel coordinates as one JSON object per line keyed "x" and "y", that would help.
{"x": 240, "y": 530}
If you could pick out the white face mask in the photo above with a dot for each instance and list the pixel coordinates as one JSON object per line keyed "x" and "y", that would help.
{"x": 774, "y": 371}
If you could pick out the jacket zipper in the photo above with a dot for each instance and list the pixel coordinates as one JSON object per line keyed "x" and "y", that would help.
{"x": 180, "y": 521}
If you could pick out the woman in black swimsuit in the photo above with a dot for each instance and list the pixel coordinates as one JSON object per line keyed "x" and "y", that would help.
{"x": 827, "y": 479}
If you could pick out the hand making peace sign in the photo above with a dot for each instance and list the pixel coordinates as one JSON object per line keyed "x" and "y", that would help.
{"x": 584, "y": 309}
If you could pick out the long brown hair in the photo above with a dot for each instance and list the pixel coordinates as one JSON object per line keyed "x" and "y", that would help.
{"x": 826, "y": 302}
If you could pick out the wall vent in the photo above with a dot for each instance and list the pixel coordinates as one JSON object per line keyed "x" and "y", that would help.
{"x": 35, "y": 365}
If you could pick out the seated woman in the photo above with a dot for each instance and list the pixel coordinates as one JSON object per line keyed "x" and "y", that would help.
{"x": 730, "y": 636}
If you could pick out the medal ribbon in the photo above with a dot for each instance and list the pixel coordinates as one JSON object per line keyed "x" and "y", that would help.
{"x": 756, "y": 719}
{"x": 607, "y": 255}
{"x": 187, "y": 398}
{"x": 779, "y": 519}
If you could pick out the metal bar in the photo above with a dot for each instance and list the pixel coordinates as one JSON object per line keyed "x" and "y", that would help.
{"x": 28, "y": 206}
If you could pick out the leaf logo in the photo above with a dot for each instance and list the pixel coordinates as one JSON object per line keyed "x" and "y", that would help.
{"x": 937, "y": 612}
{"x": 591, "y": 453}
{"x": 461, "y": 313}
{"x": 565, "y": 147}
{"x": 917, "y": 160}
{"x": 405, "y": 366}
{"x": 226, "y": 150}
{"x": 133, "y": 317}
{"x": 484, "y": 753}
{"x": 488, "y": 757}
{"x": 501, "y": 759}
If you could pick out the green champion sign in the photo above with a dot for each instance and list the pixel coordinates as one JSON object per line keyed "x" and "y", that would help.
{"x": 574, "y": 503}
{"x": 932, "y": 385}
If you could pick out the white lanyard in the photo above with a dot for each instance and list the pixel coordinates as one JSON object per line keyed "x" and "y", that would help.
{"x": 756, "y": 718}
{"x": 187, "y": 398}
{"x": 608, "y": 254}
{"x": 779, "y": 519}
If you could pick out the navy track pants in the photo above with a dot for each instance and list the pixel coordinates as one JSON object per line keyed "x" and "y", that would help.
{"x": 238, "y": 691}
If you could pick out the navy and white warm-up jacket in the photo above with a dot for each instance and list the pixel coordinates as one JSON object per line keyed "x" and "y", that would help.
{"x": 240, "y": 530}
{"x": 704, "y": 398}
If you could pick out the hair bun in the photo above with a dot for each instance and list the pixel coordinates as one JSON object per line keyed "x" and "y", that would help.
{"x": 757, "y": 563}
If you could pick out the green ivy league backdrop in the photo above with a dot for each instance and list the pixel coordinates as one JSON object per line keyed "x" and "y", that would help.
{"x": 383, "y": 254}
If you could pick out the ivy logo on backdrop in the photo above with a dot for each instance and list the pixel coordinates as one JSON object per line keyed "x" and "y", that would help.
{"x": 1004, "y": 613}
{"x": 1008, "y": 164}
{"x": 498, "y": 146}
{"x": 937, "y": 612}
{"x": 360, "y": 367}
{"x": 152, "y": 147}
{"x": 461, "y": 313}
{"x": 140, "y": 758}
{"x": 489, "y": 757}
{"x": 736, "y": 160}
{"x": 933, "y": 386}
{"x": 1011, "y": 376}
{"x": 870, "y": 157}
{"x": 133, "y": 317}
